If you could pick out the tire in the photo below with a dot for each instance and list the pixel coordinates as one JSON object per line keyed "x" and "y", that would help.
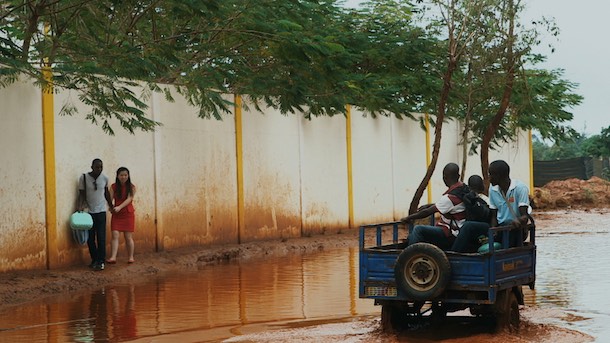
{"x": 396, "y": 316}
{"x": 422, "y": 271}
{"x": 390, "y": 317}
{"x": 439, "y": 313}
{"x": 507, "y": 316}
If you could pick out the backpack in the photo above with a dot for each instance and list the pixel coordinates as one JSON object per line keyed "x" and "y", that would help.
{"x": 477, "y": 210}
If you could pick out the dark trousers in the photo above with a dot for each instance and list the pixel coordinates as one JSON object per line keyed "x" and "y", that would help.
{"x": 429, "y": 234}
{"x": 515, "y": 236}
{"x": 466, "y": 240}
{"x": 97, "y": 238}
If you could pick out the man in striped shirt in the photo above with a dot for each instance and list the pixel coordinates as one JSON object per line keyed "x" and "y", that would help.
{"x": 451, "y": 209}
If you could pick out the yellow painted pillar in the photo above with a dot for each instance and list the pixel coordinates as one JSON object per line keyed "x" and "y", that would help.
{"x": 350, "y": 188}
{"x": 240, "y": 168}
{"x": 48, "y": 133}
{"x": 531, "y": 160}
{"x": 428, "y": 154}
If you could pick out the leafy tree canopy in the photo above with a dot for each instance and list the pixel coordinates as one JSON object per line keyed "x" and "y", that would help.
{"x": 388, "y": 57}
{"x": 287, "y": 53}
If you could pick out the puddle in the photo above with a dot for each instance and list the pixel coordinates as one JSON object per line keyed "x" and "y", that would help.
{"x": 315, "y": 298}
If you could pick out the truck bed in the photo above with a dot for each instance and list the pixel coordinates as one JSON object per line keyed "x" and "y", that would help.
{"x": 475, "y": 277}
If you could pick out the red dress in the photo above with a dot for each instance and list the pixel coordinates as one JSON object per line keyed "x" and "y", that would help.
{"x": 124, "y": 220}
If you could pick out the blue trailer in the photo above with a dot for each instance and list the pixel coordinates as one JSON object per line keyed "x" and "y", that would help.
{"x": 421, "y": 281}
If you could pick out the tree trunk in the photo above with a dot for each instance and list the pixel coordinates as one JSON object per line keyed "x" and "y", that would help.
{"x": 505, "y": 101}
{"x": 493, "y": 127}
{"x": 466, "y": 130}
{"x": 440, "y": 117}
{"x": 465, "y": 142}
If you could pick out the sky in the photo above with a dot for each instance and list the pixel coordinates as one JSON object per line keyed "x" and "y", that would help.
{"x": 581, "y": 50}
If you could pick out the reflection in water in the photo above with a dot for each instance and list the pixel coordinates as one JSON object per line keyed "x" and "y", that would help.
{"x": 98, "y": 312}
{"x": 234, "y": 295}
{"x": 124, "y": 323}
{"x": 229, "y": 299}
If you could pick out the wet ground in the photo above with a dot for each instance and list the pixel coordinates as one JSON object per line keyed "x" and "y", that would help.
{"x": 314, "y": 298}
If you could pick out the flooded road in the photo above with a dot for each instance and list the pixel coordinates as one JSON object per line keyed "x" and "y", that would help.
{"x": 315, "y": 298}
{"x": 573, "y": 273}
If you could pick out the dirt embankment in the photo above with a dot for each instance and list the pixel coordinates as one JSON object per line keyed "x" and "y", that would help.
{"x": 572, "y": 193}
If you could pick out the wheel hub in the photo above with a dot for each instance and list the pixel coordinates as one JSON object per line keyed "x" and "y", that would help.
{"x": 422, "y": 273}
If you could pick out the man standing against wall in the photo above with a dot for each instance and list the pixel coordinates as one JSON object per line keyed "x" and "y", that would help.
{"x": 94, "y": 195}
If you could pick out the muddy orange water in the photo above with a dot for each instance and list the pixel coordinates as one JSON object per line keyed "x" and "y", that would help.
{"x": 314, "y": 298}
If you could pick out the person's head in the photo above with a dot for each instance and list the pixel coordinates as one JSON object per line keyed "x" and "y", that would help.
{"x": 475, "y": 183}
{"x": 122, "y": 175}
{"x": 123, "y": 180}
{"x": 499, "y": 172}
{"x": 451, "y": 174}
{"x": 96, "y": 167}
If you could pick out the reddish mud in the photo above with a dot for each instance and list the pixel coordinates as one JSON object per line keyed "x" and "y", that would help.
{"x": 576, "y": 198}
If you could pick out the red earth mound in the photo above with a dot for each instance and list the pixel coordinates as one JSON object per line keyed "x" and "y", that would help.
{"x": 573, "y": 193}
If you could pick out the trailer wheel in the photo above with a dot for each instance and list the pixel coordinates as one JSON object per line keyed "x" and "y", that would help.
{"x": 390, "y": 317}
{"x": 422, "y": 271}
{"x": 507, "y": 312}
{"x": 439, "y": 312}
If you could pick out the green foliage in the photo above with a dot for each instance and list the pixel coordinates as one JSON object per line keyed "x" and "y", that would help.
{"x": 536, "y": 99}
{"x": 577, "y": 145}
{"x": 561, "y": 149}
{"x": 388, "y": 57}
{"x": 393, "y": 62}
{"x": 287, "y": 53}
{"x": 598, "y": 145}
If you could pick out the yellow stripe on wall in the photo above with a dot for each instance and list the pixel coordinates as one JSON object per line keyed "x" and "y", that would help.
{"x": 428, "y": 157}
{"x": 48, "y": 133}
{"x": 531, "y": 161}
{"x": 350, "y": 188}
{"x": 240, "y": 168}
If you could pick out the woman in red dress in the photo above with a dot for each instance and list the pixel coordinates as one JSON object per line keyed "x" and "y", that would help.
{"x": 123, "y": 217}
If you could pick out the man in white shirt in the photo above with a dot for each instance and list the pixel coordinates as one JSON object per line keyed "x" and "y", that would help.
{"x": 451, "y": 208}
{"x": 94, "y": 195}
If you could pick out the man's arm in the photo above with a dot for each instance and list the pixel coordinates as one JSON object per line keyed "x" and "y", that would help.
{"x": 108, "y": 199}
{"x": 422, "y": 213}
{"x": 523, "y": 201}
{"x": 493, "y": 213}
{"x": 523, "y": 216}
{"x": 82, "y": 197}
{"x": 82, "y": 202}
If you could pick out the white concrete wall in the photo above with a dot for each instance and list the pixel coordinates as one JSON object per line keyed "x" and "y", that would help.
{"x": 323, "y": 164}
{"x": 195, "y": 173}
{"x": 295, "y": 174}
{"x": 409, "y": 156}
{"x": 372, "y": 168}
{"x": 272, "y": 180}
{"x": 22, "y": 185}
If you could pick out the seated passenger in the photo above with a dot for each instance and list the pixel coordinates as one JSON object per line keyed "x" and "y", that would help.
{"x": 451, "y": 208}
{"x": 509, "y": 205}
{"x": 467, "y": 240}
{"x": 509, "y": 201}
